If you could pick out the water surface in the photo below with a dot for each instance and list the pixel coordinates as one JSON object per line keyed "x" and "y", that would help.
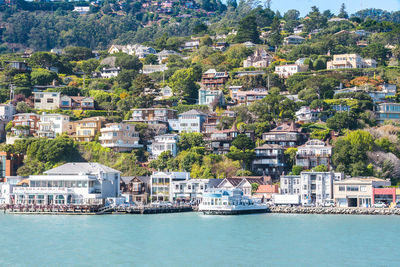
{"x": 192, "y": 239}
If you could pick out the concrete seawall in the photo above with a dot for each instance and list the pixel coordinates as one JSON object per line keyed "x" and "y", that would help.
{"x": 335, "y": 210}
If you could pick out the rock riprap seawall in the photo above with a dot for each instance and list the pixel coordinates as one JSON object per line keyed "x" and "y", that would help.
{"x": 335, "y": 210}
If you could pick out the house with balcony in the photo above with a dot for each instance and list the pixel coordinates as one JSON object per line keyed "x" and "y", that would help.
{"x": 160, "y": 184}
{"x": 189, "y": 122}
{"x": 387, "y": 111}
{"x": 313, "y": 153}
{"x": 85, "y": 130}
{"x": 306, "y": 115}
{"x": 153, "y": 115}
{"x": 72, "y": 183}
{"x": 293, "y": 40}
{"x": 135, "y": 188}
{"x": 286, "y": 135}
{"x": 120, "y": 137}
{"x": 260, "y": 59}
{"x": 110, "y": 72}
{"x": 269, "y": 160}
{"x": 165, "y": 54}
{"x": 214, "y": 79}
{"x": 240, "y": 97}
{"x": 77, "y": 103}
{"x": 350, "y": 61}
{"x": 25, "y": 124}
{"x": 51, "y": 125}
{"x": 162, "y": 143}
{"x": 191, "y": 190}
{"x": 219, "y": 141}
{"x": 47, "y": 100}
{"x": 211, "y": 98}
{"x": 191, "y": 45}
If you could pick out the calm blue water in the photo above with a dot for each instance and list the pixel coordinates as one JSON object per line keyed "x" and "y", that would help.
{"x": 192, "y": 239}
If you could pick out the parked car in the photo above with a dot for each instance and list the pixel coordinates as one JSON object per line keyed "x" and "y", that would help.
{"x": 309, "y": 205}
{"x": 380, "y": 205}
{"x": 397, "y": 205}
{"x": 329, "y": 203}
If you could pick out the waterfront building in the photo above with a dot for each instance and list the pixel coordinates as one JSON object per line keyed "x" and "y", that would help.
{"x": 135, "y": 188}
{"x": 160, "y": 184}
{"x": 265, "y": 192}
{"x": 52, "y": 124}
{"x": 162, "y": 143}
{"x": 350, "y": 61}
{"x": 121, "y": 137}
{"x": 242, "y": 183}
{"x": 191, "y": 190}
{"x": 313, "y": 153}
{"x": 85, "y": 130}
{"x": 312, "y": 187}
{"x": 360, "y": 192}
{"x": 71, "y": 183}
{"x": 286, "y": 135}
{"x": 269, "y": 160}
{"x": 214, "y": 79}
{"x": 47, "y": 100}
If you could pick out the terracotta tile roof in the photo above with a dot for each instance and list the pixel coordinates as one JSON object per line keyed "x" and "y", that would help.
{"x": 268, "y": 189}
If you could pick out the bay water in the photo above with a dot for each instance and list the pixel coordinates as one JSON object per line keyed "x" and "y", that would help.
{"x": 193, "y": 239}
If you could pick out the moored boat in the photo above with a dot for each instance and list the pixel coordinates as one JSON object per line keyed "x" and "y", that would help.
{"x": 229, "y": 202}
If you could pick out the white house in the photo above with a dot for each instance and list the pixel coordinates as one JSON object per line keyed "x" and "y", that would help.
{"x": 7, "y": 112}
{"x": 190, "y": 121}
{"x": 163, "y": 55}
{"x": 160, "y": 184}
{"x": 110, "y": 72}
{"x": 165, "y": 142}
{"x": 147, "y": 69}
{"x": 312, "y": 187}
{"x": 71, "y": 183}
{"x": 284, "y": 71}
{"x": 243, "y": 183}
{"x": 52, "y": 124}
{"x": 191, "y": 190}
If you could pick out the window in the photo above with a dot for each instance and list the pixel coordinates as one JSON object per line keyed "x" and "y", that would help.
{"x": 342, "y": 188}
{"x": 50, "y": 100}
{"x": 363, "y": 188}
{"x": 352, "y": 188}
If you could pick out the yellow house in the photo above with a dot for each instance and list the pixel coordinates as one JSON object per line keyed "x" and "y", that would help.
{"x": 86, "y": 129}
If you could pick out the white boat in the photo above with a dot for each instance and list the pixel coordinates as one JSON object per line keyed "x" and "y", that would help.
{"x": 229, "y": 202}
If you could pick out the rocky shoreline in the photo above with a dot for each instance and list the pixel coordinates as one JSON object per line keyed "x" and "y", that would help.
{"x": 335, "y": 210}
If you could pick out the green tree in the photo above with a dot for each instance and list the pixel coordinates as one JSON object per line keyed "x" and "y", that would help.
{"x": 151, "y": 60}
{"x": 343, "y": 12}
{"x": 320, "y": 168}
{"x": 190, "y": 140}
{"x": 183, "y": 84}
{"x": 296, "y": 170}
{"x": 128, "y": 62}
{"x": 342, "y": 120}
{"x": 77, "y": 53}
{"x": 275, "y": 37}
{"x": 43, "y": 77}
{"x": 243, "y": 142}
{"x": 89, "y": 66}
{"x": 254, "y": 187}
{"x": 43, "y": 59}
{"x": 247, "y": 30}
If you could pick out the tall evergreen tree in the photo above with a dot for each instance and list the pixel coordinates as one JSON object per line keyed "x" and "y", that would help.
{"x": 248, "y": 30}
{"x": 343, "y": 12}
{"x": 275, "y": 38}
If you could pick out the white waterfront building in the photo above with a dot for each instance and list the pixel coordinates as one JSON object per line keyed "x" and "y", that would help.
{"x": 312, "y": 187}
{"x": 191, "y": 190}
{"x": 71, "y": 183}
{"x": 160, "y": 184}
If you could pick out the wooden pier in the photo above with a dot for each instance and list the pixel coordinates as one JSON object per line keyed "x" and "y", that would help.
{"x": 93, "y": 209}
